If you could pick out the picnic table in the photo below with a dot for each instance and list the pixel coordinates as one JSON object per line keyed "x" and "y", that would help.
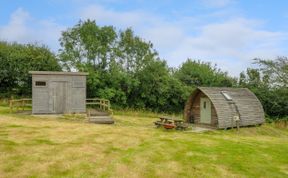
{"x": 163, "y": 120}
{"x": 178, "y": 121}
{"x": 170, "y": 123}
{"x": 166, "y": 119}
{"x": 180, "y": 125}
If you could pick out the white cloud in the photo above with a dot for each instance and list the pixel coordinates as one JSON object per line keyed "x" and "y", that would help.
{"x": 23, "y": 28}
{"x": 16, "y": 30}
{"x": 231, "y": 43}
{"x": 111, "y": 17}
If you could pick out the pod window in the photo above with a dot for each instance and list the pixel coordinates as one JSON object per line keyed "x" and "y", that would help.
{"x": 40, "y": 83}
{"x": 226, "y": 96}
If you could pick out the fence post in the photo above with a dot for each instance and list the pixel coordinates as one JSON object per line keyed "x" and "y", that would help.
{"x": 101, "y": 104}
{"x": 23, "y": 104}
{"x": 11, "y": 104}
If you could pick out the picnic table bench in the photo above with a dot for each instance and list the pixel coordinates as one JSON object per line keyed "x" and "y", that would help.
{"x": 180, "y": 125}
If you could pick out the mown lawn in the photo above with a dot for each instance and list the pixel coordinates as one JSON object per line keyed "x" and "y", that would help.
{"x": 51, "y": 147}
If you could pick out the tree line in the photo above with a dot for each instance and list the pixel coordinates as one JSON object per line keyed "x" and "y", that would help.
{"x": 127, "y": 70}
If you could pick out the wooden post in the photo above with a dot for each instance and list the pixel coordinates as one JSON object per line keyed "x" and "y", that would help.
{"x": 88, "y": 112}
{"x": 104, "y": 105}
{"x": 238, "y": 125}
{"x": 237, "y": 121}
{"x": 10, "y": 105}
{"x": 17, "y": 106}
{"x": 23, "y": 104}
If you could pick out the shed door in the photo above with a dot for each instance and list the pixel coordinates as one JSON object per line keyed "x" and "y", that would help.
{"x": 205, "y": 111}
{"x": 58, "y": 92}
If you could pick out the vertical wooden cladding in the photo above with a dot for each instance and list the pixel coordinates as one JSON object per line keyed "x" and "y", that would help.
{"x": 193, "y": 109}
{"x": 64, "y": 92}
{"x": 223, "y": 110}
{"x": 78, "y": 92}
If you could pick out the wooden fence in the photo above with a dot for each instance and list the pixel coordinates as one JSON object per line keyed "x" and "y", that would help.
{"x": 19, "y": 104}
{"x": 102, "y": 104}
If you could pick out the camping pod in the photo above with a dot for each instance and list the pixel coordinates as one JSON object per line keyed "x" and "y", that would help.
{"x": 223, "y": 108}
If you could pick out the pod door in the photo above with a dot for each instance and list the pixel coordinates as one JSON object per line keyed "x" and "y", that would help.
{"x": 205, "y": 111}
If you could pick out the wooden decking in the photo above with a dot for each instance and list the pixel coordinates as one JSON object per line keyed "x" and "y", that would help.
{"x": 101, "y": 104}
{"x": 99, "y": 111}
{"x": 99, "y": 117}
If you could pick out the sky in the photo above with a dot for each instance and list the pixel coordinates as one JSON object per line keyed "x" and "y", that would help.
{"x": 229, "y": 33}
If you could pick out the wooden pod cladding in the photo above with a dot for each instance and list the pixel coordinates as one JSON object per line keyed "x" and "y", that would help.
{"x": 223, "y": 107}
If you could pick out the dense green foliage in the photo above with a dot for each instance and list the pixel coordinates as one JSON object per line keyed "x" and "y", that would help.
{"x": 17, "y": 60}
{"x": 127, "y": 70}
{"x": 197, "y": 73}
{"x": 269, "y": 83}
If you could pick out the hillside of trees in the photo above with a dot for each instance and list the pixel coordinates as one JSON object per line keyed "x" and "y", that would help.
{"x": 127, "y": 70}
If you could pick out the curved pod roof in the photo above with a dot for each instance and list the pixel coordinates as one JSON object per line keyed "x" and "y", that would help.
{"x": 249, "y": 107}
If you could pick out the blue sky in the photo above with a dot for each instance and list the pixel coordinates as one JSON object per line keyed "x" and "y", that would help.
{"x": 229, "y": 33}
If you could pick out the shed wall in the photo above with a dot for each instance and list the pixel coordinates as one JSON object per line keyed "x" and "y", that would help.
{"x": 43, "y": 98}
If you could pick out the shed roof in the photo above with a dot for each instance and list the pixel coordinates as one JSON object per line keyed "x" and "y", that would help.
{"x": 249, "y": 107}
{"x": 56, "y": 73}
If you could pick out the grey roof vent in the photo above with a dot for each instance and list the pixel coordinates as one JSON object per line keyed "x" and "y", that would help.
{"x": 226, "y": 96}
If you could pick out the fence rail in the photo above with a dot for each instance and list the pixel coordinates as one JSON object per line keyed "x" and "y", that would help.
{"x": 103, "y": 104}
{"x": 19, "y": 103}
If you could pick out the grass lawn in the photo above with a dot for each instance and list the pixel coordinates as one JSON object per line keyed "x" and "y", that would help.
{"x": 51, "y": 147}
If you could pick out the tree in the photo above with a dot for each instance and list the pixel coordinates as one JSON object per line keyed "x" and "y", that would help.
{"x": 16, "y": 60}
{"x": 112, "y": 59}
{"x": 197, "y": 73}
{"x": 269, "y": 83}
{"x": 87, "y": 45}
{"x": 134, "y": 52}
{"x": 276, "y": 71}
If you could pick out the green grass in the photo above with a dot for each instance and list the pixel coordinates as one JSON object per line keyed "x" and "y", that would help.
{"x": 144, "y": 113}
{"x": 51, "y": 147}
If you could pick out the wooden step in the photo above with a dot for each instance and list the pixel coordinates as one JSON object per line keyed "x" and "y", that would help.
{"x": 101, "y": 119}
{"x": 98, "y": 113}
{"x": 94, "y": 112}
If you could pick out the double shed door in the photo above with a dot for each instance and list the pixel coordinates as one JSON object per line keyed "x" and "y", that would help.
{"x": 58, "y": 97}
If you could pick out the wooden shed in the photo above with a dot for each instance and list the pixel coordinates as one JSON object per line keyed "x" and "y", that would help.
{"x": 58, "y": 92}
{"x": 223, "y": 107}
